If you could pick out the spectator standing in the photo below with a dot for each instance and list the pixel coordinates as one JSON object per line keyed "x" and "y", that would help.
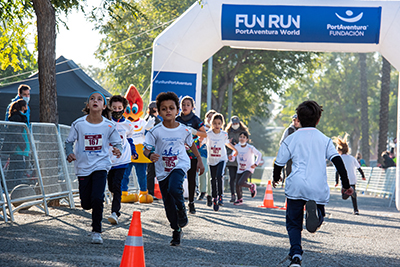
{"x": 387, "y": 160}
{"x": 24, "y": 92}
{"x": 234, "y": 128}
{"x": 360, "y": 160}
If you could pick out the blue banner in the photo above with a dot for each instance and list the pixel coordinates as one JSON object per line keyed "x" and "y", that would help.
{"x": 301, "y": 24}
{"x": 182, "y": 84}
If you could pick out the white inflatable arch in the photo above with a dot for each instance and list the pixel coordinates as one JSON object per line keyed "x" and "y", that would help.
{"x": 314, "y": 25}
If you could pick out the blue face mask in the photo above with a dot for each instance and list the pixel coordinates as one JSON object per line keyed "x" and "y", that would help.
{"x": 23, "y": 113}
{"x": 26, "y": 98}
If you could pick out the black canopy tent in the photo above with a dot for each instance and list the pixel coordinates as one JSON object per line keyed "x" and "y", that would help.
{"x": 73, "y": 88}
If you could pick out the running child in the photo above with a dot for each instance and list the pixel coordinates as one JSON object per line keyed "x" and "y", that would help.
{"x": 125, "y": 130}
{"x": 165, "y": 145}
{"x": 196, "y": 126}
{"x": 307, "y": 184}
{"x": 351, "y": 165}
{"x": 93, "y": 135}
{"x": 246, "y": 166}
{"x": 217, "y": 157}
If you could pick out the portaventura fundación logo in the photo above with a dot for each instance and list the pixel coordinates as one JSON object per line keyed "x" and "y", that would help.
{"x": 348, "y": 30}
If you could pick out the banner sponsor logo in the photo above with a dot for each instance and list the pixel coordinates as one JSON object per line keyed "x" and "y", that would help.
{"x": 301, "y": 24}
{"x": 182, "y": 84}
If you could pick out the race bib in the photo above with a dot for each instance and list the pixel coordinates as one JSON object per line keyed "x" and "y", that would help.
{"x": 169, "y": 162}
{"x": 242, "y": 167}
{"x": 93, "y": 142}
{"x": 215, "y": 152}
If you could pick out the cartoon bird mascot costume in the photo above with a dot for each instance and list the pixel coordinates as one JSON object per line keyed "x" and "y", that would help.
{"x": 133, "y": 112}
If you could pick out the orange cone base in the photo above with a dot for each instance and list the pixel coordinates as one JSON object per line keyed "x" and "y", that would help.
{"x": 269, "y": 207}
{"x": 133, "y": 256}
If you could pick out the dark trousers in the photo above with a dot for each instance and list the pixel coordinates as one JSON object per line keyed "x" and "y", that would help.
{"x": 91, "y": 193}
{"x": 217, "y": 173}
{"x": 241, "y": 181}
{"x": 191, "y": 176}
{"x": 232, "y": 178}
{"x": 114, "y": 178}
{"x": 172, "y": 194}
{"x": 151, "y": 174}
{"x": 294, "y": 223}
{"x": 353, "y": 197}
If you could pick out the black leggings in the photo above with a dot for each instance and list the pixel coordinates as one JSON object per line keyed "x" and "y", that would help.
{"x": 353, "y": 197}
{"x": 232, "y": 178}
{"x": 217, "y": 172}
{"x": 241, "y": 181}
{"x": 191, "y": 176}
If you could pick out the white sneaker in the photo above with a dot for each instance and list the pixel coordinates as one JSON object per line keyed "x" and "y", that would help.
{"x": 96, "y": 238}
{"x": 113, "y": 218}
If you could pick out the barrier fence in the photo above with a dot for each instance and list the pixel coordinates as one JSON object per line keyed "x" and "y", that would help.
{"x": 34, "y": 169}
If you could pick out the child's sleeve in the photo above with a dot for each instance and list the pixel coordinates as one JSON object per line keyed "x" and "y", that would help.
{"x": 114, "y": 138}
{"x": 132, "y": 146}
{"x": 188, "y": 138}
{"x": 283, "y": 155}
{"x": 226, "y": 141}
{"x": 257, "y": 154}
{"x": 69, "y": 142}
{"x": 150, "y": 141}
{"x": 331, "y": 151}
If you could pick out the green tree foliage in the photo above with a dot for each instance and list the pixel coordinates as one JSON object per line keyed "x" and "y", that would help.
{"x": 335, "y": 85}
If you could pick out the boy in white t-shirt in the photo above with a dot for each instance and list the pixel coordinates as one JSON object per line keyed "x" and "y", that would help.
{"x": 165, "y": 145}
{"x": 93, "y": 135}
{"x": 307, "y": 184}
{"x": 351, "y": 165}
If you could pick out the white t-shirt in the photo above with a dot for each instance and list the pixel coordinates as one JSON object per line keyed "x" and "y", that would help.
{"x": 92, "y": 145}
{"x": 245, "y": 157}
{"x": 125, "y": 131}
{"x": 216, "y": 150}
{"x": 308, "y": 148}
{"x": 351, "y": 165}
{"x": 170, "y": 145}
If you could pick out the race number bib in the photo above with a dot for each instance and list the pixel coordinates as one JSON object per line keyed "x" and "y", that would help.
{"x": 242, "y": 167}
{"x": 216, "y": 152}
{"x": 170, "y": 162}
{"x": 93, "y": 142}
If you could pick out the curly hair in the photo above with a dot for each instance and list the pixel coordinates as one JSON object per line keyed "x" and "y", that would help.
{"x": 166, "y": 96}
{"x": 341, "y": 144}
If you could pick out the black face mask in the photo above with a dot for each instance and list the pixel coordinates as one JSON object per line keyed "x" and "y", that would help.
{"x": 117, "y": 114}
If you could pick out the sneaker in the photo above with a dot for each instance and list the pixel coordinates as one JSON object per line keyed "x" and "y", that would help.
{"x": 220, "y": 201}
{"x": 295, "y": 262}
{"x": 113, "y": 218}
{"x": 182, "y": 217}
{"x": 96, "y": 238}
{"x": 233, "y": 198}
{"x": 209, "y": 200}
{"x": 176, "y": 238}
{"x": 201, "y": 197}
{"x": 356, "y": 212}
{"x": 192, "y": 210}
{"x": 253, "y": 190}
{"x": 238, "y": 202}
{"x": 312, "y": 219}
{"x": 215, "y": 204}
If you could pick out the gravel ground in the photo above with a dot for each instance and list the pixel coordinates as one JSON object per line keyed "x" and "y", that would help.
{"x": 234, "y": 236}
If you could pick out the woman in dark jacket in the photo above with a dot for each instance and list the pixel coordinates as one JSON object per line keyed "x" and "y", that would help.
{"x": 234, "y": 128}
{"x": 17, "y": 145}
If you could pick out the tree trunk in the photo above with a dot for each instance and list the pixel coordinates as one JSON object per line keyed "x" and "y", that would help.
{"x": 384, "y": 109}
{"x": 364, "y": 108}
{"x": 46, "y": 27}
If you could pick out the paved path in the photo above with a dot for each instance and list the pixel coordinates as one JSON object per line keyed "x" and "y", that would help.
{"x": 235, "y": 236}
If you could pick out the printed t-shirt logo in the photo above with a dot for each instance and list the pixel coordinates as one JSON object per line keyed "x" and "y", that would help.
{"x": 170, "y": 159}
{"x": 93, "y": 142}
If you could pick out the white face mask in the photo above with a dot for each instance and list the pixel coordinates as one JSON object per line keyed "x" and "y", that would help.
{"x": 242, "y": 143}
{"x": 235, "y": 126}
{"x": 26, "y": 98}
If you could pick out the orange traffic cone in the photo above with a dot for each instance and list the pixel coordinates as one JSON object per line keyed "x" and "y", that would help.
{"x": 157, "y": 192}
{"x": 268, "y": 198}
{"x": 134, "y": 252}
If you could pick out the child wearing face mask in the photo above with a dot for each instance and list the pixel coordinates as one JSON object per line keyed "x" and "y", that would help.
{"x": 125, "y": 129}
{"x": 234, "y": 128}
{"x": 246, "y": 166}
{"x": 217, "y": 157}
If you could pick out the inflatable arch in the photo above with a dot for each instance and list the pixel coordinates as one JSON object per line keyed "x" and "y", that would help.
{"x": 312, "y": 25}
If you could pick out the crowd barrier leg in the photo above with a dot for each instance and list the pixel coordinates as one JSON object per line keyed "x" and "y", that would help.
{"x": 8, "y": 201}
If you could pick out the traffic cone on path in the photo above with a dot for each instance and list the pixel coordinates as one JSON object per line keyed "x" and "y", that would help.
{"x": 268, "y": 198}
{"x": 157, "y": 192}
{"x": 285, "y": 207}
{"x": 134, "y": 252}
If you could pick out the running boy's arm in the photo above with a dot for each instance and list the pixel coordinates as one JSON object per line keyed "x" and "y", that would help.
{"x": 149, "y": 147}
{"x": 200, "y": 167}
{"x": 277, "y": 175}
{"x": 341, "y": 169}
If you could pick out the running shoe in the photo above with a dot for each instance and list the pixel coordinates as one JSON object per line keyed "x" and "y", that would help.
{"x": 295, "y": 262}
{"x": 220, "y": 201}
{"x": 253, "y": 190}
{"x": 238, "y": 202}
{"x": 233, "y": 198}
{"x": 312, "y": 219}
{"x": 182, "y": 217}
{"x": 192, "y": 210}
{"x": 215, "y": 204}
{"x": 96, "y": 238}
{"x": 209, "y": 200}
{"x": 201, "y": 197}
{"x": 176, "y": 238}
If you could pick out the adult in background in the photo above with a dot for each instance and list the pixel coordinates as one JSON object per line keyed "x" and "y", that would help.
{"x": 294, "y": 126}
{"x": 151, "y": 171}
{"x": 24, "y": 92}
{"x": 234, "y": 128}
{"x": 387, "y": 160}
